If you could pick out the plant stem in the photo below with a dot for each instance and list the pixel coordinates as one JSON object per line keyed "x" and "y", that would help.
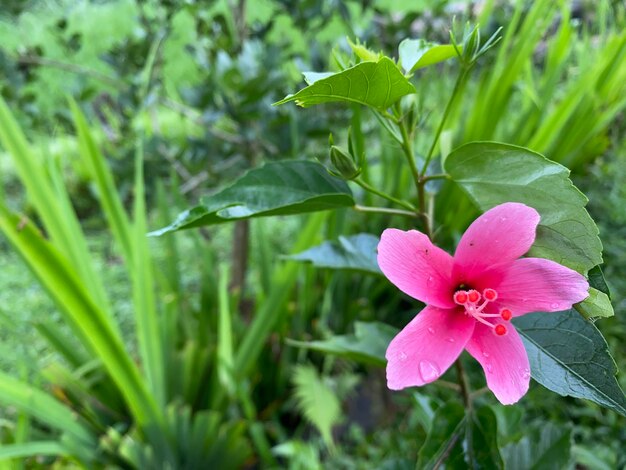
{"x": 384, "y": 210}
{"x": 438, "y": 176}
{"x": 463, "y": 383}
{"x": 407, "y": 148}
{"x": 460, "y": 81}
{"x": 371, "y": 189}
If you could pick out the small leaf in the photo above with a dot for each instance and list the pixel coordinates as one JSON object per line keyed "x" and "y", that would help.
{"x": 417, "y": 53}
{"x": 376, "y": 84}
{"x": 481, "y": 440}
{"x": 317, "y": 401}
{"x": 597, "y": 281}
{"x": 353, "y": 252}
{"x": 278, "y": 188}
{"x": 569, "y": 356}
{"x": 444, "y": 443}
{"x": 596, "y": 305}
{"x": 368, "y": 344}
{"x": 545, "y": 449}
{"x": 492, "y": 173}
{"x": 456, "y": 440}
{"x": 311, "y": 77}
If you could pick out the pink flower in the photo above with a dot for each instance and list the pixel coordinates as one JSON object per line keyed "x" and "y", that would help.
{"x": 471, "y": 297}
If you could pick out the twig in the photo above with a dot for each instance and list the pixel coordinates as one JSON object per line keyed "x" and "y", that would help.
{"x": 69, "y": 67}
{"x": 384, "y": 210}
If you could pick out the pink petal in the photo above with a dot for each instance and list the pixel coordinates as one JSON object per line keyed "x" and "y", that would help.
{"x": 499, "y": 236}
{"x": 540, "y": 285}
{"x": 427, "y": 346}
{"x": 416, "y": 266}
{"x": 504, "y": 361}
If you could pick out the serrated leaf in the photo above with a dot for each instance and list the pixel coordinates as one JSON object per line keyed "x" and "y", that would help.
{"x": 368, "y": 343}
{"x": 417, "y": 53}
{"x": 545, "y": 449}
{"x": 492, "y": 173}
{"x": 376, "y": 84}
{"x": 278, "y": 188}
{"x": 317, "y": 401}
{"x": 569, "y": 356}
{"x": 596, "y": 305}
{"x": 354, "y": 252}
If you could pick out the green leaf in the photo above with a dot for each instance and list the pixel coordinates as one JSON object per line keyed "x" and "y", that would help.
{"x": 597, "y": 281}
{"x": 481, "y": 440}
{"x": 569, "y": 356}
{"x": 317, "y": 401}
{"x": 417, "y": 53}
{"x": 279, "y": 188}
{"x": 45, "y": 408}
{"x": 492, "y": 173}
{"x": 368, "y": 343}
{"x": 376, "y": 84}
{"x": 353, "y": 252}
{"x": 444, "y": 443}
{"x": 457, "y": 440}
{"x": 596, "y": 305}
{"x": 545, "y": 449}
{"x": 31, "y": 449}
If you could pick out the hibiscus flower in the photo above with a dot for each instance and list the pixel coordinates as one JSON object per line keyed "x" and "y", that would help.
{"x": 471, "y": 297}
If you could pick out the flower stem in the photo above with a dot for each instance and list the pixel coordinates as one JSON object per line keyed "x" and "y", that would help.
{"x": 458, "y": 86}
{"x": 464, "y": 384}
{"x": 373, "y": 190}
{"x": 384, "y": 210}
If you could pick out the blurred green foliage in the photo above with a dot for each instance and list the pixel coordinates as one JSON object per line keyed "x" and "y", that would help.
{"x": 207, "y": 117}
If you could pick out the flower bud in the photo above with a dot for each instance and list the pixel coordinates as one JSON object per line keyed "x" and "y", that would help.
{"x": 344, "y": 163}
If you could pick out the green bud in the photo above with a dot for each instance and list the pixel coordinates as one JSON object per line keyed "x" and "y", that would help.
{"x": 344, "y": 163}
{"x": 471, "y": 45}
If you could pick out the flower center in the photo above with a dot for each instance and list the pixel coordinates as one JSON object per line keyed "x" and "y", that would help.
{"x": 470, "y": 300}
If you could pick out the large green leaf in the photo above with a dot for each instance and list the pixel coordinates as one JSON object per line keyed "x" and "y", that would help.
{"x": 492, "y": 173}
{"x": 545, "y": 449}
{"x": 417, "y": 53}
{"x": 569, "y": 356}
{"x": 279, "y": 188}
{"x": 376, "y": 84}
{"x": 353, "y": 252}
{"x": 368, "y": 343}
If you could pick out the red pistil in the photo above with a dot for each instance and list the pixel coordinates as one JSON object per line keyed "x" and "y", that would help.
{"x": 490, "y": 294}
{"x": 473, "y": 296}
{"x": 506, "y": 314}
{"x": 460, "y": 297}
{"x": 470, "y": 300}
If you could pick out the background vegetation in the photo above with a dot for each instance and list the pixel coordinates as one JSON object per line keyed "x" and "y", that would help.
{"x": 182, "y": 92}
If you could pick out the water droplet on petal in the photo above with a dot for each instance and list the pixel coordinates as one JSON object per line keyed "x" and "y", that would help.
{"x": 450, "y": 340}
{"x": 485, "y": 353}
{"x": 489, "y": 368}
{"x": 430, "y": 281}
{"x": 402, "y": 356}
{"x": 429, "y": 371}
{"x": 431, "y": 330}
{"x": 502, "y": 219}
{"x": 555, "y": 305}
